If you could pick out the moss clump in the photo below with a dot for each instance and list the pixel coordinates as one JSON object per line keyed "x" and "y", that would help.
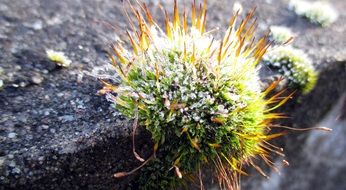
{"x": 281, "y": 34}
{"x": 189, "y": 109}
{"x": 59, "y": 58}
{"x": 198, "y": 97}
{"x": 320, "y": 12}
{"x": 294, "y": 65}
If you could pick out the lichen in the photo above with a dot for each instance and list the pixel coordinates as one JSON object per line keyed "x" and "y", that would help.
{"x": 293, "y": 64}
{"x": 320, "y": 12}
{"x": 199, "y": 98}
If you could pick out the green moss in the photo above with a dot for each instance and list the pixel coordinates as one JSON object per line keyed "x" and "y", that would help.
{"x": 199, "y": 98}
{"x": 188, "y": 109}
{"x": 294, "y": 65}
{"x": 319, "y": 12}
{"x": 281, "y": 34}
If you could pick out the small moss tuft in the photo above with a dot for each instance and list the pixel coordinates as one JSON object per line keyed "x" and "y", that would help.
{"x": 59, "y": 58}
{"x": 320, "y": 12}
{"x": 295, "y": 65}
{"x": 281, "y": 34}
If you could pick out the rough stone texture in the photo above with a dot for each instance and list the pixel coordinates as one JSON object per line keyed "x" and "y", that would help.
{"x": 56, "y": 133}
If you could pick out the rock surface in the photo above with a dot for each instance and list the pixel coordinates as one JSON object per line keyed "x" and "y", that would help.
{"x": 56, "y": 133}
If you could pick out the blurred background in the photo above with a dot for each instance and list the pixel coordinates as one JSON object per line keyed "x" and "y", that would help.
{"x": 57, "y": 133}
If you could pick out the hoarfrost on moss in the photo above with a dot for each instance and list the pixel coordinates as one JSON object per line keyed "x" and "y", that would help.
{"x": 281, "y": 34}
{"x": 320, "y": 12}
{"x": 294, "y": 64}
{"x": 198, "y": 97}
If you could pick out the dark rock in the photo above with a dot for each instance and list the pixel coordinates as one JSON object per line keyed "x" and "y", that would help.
{"x": 32, "y": 60}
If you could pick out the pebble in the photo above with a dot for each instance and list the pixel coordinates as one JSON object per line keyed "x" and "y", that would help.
{"x": 16, "y": 170}
{"x": 36, "y": 25}
{"x": 38, "y": 79}
{"x": 12, "y": 135}
{"x": 269, "y": 1}
{"x": 67, "y": 118}
{"x": 54, "y": 21}
{"x": 1, "y": 83}
{"x": 2, "y": 161}
{"x": 46, "y": 113}
{"x": 23, "y": 84}
{"x": 12, "y": 164}
{"x": 52, "y": 130}
{"x": 23, "y": 118}
{"x": 45, "y": 126}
